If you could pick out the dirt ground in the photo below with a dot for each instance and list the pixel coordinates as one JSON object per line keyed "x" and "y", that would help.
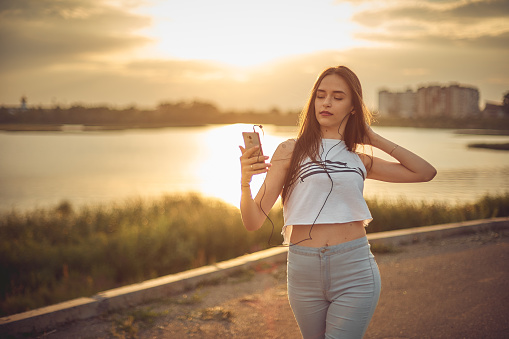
{"x": 449, "y": 288}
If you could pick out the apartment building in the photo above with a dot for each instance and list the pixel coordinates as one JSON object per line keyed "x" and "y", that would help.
{"x": 433, "y": 100}
{"x": 393, "y": 104}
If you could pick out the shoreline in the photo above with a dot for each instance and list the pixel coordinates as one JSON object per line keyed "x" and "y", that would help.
{"x": 482, "y": 131}
{"x": 495, "y": 147}
{"x": 78, "y": 128}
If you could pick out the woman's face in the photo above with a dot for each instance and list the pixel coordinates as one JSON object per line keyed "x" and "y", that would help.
{"x": 333, "y": 102}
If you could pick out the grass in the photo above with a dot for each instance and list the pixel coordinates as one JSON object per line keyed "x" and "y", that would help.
{"x": 52, "y": 255}
{"x": 402, "y": 214}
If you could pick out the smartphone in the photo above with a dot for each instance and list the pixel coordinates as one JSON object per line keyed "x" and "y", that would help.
{"x": 252, "y": 139}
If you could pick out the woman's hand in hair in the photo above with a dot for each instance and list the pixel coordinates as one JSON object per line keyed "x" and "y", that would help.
{"x": 407, "y": 167}
{"x": 252, "y": 165}
{"x": 370, "y": 137}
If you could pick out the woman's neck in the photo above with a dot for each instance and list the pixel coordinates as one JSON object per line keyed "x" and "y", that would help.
{"x": 330, "y": 133}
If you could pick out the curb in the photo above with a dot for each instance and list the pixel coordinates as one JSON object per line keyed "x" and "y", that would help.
{"x": 417, "y": 234}
{"x": 45, "y": 318}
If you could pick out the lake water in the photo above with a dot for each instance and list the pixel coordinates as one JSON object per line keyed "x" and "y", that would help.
{"x": 39, "y": 169}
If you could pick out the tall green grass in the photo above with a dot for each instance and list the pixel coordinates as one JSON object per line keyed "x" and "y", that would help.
{"x": 405, "y": 214}
{"x": 56, "y": 254}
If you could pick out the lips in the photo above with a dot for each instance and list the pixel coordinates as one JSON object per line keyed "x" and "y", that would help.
{"x": 325, "y": 113}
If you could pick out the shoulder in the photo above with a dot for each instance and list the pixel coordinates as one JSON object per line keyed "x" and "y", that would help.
{"x": 284, "y": 151}
{"x": 288, "y": 144}
{"x": 286, "y": 147}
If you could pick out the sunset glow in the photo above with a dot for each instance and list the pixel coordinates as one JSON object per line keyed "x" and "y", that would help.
{"x": 244, "y": 55}
{"x": 241, "y": 34}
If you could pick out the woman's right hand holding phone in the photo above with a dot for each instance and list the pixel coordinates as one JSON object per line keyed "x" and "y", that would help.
{"x": 252, "y": 165}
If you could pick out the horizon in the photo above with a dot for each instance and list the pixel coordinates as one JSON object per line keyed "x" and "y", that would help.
{"x": 414, "y": 88}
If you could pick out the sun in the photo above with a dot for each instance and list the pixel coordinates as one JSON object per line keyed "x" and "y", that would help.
{"x": 247, "y": 34}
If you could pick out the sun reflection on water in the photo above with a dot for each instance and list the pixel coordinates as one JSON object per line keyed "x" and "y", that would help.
{"x": 219, "y": 170}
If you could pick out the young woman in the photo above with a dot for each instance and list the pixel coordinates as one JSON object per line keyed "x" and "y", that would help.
{"x": 333, "y": 279}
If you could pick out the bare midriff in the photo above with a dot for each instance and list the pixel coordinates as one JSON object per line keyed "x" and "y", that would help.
{"x": 327, "y": 234}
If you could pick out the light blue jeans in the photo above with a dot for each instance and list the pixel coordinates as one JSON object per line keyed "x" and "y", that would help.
{"x": 334, "y": 290}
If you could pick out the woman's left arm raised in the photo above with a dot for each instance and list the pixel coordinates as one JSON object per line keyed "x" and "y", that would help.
{"x": 409, "y": 166}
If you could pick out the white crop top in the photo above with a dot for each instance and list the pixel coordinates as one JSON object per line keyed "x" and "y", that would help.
{"x": 308, "y": 203}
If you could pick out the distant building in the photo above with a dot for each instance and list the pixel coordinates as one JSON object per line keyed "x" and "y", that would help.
{"x": 430, "y": 101}
{"x": 461, "y": 101}
{"x": 433, "y": 100}
{"x": 493, "y": 110}
{"x": 407, "y": 103}
{"x": 397, "y": 104}
{"x": 23, "y": 105}
{"x": 387, "y": 103}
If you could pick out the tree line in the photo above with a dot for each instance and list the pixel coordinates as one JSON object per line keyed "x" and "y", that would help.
{"x": 165, "y": 114}
{"x": 197, "y": 113}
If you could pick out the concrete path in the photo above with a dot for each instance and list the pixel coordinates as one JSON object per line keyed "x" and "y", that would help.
{"x": 451, "y": 288}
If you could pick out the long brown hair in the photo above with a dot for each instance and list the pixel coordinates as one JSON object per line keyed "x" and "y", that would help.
{"x": 310, "y": 136}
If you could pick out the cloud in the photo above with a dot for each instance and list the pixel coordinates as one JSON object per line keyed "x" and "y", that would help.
{"x": 179, "y": 70}
{"x": 459, "y": 12}
{"x": 488, "y": 41}
{"x": 38, "y": 33}
{"x": 466, "y": 24}
{"x": 479, "y": 10}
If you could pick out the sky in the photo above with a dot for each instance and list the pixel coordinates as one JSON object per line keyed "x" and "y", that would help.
{"x": 240, "y": 55}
